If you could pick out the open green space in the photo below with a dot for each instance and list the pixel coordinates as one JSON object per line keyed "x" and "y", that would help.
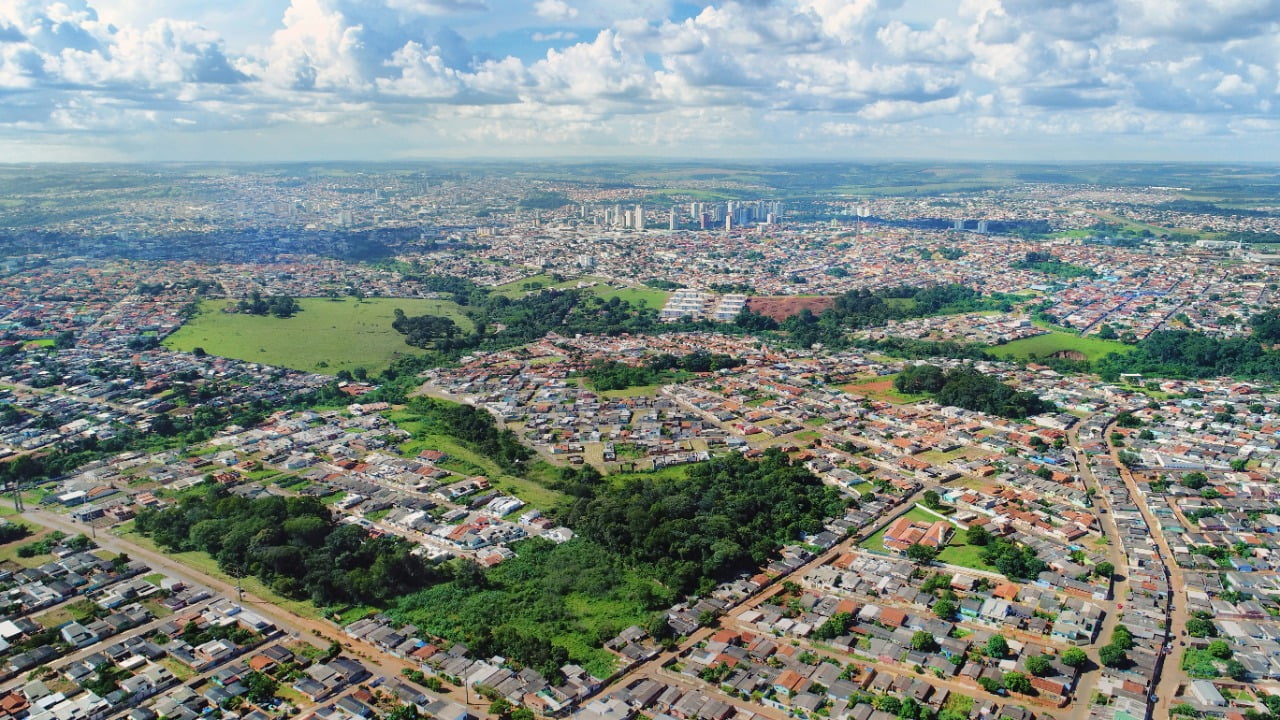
{"x": 959, "y": 552}
{"x": 637, "y": 296}
{"x": 1054, "y": 341}
{"x": 523, "y": 286}
{"x": 651, "y": 297}
{"x": 325, "y": 337}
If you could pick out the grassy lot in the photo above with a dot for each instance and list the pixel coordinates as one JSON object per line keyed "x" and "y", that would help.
{"x": 635, "y": 295}
{"x": 56, "y": 617}
{"x": 875, "y": 543}
{"x": 881, "y": 389}
{"x": 635, "y": 391}
{"x": 959, "y": 552}
{"x": 651, "y": 297}
{"x": 516, "y": 288}
{"x": 327, "y": 336}
{"x": 180, "y": 670}
{"x": 1057, "y": 340}
{"x": 10, "y": 551}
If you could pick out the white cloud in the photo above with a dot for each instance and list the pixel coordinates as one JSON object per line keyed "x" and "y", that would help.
{"x": 786, "y": 72}
{"x": 556, "y": 10}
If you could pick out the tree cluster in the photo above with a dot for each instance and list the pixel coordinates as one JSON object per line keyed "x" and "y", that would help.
{"x": 423, "y": 330}
{"x": 496, "y": 611}
{"x": 729, "y": 514}
{"x": 293, "y": 545}
{"x": 473, "y": 427}
{"x": 1191, "y": 354}
{"x": 281, "y": 306}
{"x": 1011, "y": 559}
{"x": 968, "y": 388}
{"x": 613, "y": 375}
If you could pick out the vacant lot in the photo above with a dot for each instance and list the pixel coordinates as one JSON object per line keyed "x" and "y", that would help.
{"x": 327, "y": 336}
{"x": 1046, "y": 345}
{"x": 781, "y": 308}
{"x": 881, "y": 388}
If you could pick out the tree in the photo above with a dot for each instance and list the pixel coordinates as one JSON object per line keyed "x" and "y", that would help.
{"x": 1074, "y": 657}
{"x": 997, "y": 646}
{"x": 1104, "y": 569}
{"x": 404, "y": 712}
{"x": 1201, "y": 627}
{"x": 1112, "y": 656}
{"x": 888, "y": 703}
{"x": 1017, "y": 682}
{"x": 1195, "y": 480}
{"x": 923, "y": 641}
{"x": 990, "y": 684}
{"x": 834, "y": 627}
{"x": 921, "y": 553}
{"x": 945, "y": 609}
{"x": 1220, "y": 649}
{"x": 499, "y": 707}
{"x": 977, "y": 535}
{"x": 932, "y": 499}
{"x": 262, "y": 687}
{"x": 1122, "y": 638}
{"x": 1236, "y": 670}
{"x": 1039, "y": 665}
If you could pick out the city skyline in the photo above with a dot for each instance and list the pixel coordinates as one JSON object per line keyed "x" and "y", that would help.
{"x": 1000, "y": 80}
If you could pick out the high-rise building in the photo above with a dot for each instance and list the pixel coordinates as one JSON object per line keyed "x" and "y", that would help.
{"x": 639, "y": 217}
{"x": 671, "y": 224}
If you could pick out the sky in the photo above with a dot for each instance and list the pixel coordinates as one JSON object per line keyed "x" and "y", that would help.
{"x": 397, "y": 80}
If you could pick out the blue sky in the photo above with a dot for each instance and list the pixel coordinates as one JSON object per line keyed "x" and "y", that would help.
{"x": 1000, "y": 80}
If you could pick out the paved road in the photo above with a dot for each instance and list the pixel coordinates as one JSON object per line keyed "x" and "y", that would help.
{"x": 378, "y": 661}
{"x": 1120, "y": 589}
{"x": 1170, "y": 675}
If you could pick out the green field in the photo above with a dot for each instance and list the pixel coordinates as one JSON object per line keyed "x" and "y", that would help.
{"x": 959, "y": 552}
{"x": 634, "y": 295}
{"x": 516, "y": 288}
{"x": 327, "y": 336}
{"x": 1042, "y": 346}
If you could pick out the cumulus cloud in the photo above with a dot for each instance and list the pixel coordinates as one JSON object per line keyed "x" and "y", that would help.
{"x": 556, "y": 10}
{"x": 785, "y": 70}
